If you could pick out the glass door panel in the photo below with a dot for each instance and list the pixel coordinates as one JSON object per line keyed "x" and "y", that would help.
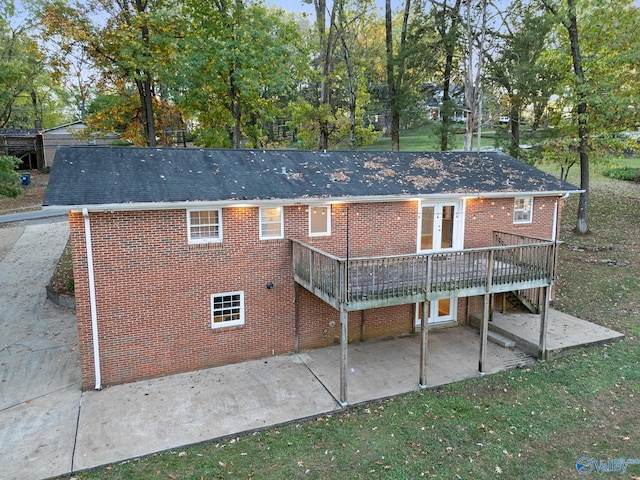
{"x": 441, "y": 227}
{"x": 438, "y": 311}
{"x": 426, "y": 237}
{"x": 446, "y": 226}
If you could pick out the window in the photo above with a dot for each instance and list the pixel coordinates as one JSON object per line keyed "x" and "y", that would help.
{"x": 523, "y": 210}
{"x": 319, "y": 220}
{"x": 271, "y": 223}
{"x": 227, "y": 309}
{"x": 204, "y": 226}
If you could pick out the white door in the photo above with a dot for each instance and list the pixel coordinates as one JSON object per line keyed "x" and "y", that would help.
{"x": 440, "y": 229}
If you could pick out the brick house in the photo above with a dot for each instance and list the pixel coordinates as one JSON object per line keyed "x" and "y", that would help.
{"x": 191, "y": 258}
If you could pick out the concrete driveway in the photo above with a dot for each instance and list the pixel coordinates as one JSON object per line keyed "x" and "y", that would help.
{"x": 39, "y": 372}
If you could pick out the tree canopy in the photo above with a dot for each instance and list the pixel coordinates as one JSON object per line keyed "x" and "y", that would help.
{"x": 240, "y": 73}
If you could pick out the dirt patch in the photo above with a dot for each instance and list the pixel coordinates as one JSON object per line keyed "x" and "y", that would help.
{"x": 62, "y": 279}
{"x": 31, "y": 197}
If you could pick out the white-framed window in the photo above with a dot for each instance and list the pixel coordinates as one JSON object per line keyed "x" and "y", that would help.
{"x": 204, "y": 226}
{"x": 523, "y": 210}
{"x": 271, "y": 223}
{"x": 319, "y": 220}
{"x": 227, "y": 309}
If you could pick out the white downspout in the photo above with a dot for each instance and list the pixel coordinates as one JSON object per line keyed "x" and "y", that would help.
{"x": 92, "y": 299}
{"x": 554, "y": 232}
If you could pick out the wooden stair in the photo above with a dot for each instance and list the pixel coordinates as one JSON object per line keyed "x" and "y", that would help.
{"x": 521, "y": 302}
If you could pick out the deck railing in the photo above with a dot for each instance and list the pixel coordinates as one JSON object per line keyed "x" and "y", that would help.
{"x": 530, "y": 297}
{"x": 361, "y": 283}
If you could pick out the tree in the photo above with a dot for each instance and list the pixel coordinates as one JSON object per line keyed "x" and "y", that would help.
{"x": 515, "y": 65}
{"x": 23, "y": 79}
{"x": 348, "y": 28}
{"x": 238, "y": 62}
{"x": 332, "y": 101}
{"x": 395, "y": 67}
{"x": 603, "y": 82}
{"x": 474, "y": 63}
{"x": 9, "y": 178}
{"x": 128, "y": 41}
{"x": 448, "y": 20}
{"x": 327, "y": 42}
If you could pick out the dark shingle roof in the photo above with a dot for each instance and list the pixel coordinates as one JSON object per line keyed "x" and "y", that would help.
{"x": 89, "y": 175}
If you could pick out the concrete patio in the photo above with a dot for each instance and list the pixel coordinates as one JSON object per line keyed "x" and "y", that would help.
{"x": 566, "y": 334}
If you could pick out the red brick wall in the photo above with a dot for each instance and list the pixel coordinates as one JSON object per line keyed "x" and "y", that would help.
{"x": 153, "y": 289}
{"x": 483, "y": 216}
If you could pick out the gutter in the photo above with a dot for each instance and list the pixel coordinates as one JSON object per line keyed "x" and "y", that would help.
{"x": 178, "y": 205}
{"x": 92, "y": 299}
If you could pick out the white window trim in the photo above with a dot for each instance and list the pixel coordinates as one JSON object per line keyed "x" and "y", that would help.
{"x": 217, "y": 239}
{"x": 230, "y": 323}
{"x": 327, "y": 232}
{"x": 516, "y": 210}
{"x": 272, "y": 237}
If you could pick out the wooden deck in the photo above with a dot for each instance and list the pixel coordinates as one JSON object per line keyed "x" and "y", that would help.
{"x": 513, "y": 263}
{"x": 362, "y": 283}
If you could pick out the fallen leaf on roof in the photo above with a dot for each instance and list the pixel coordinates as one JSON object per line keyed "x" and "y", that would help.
{"x": 427, "y": 163}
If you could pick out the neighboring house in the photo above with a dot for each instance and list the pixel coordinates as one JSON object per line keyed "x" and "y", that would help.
{"x": 191, "y": 258}
{"x": 69, "y": 134}
{"x": 21, "y": 143}
{"x": 36, "y": 147}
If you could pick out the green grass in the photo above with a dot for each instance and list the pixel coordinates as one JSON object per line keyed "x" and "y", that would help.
{"x": 528, "y": 424}
{"x": 426, "y": 139}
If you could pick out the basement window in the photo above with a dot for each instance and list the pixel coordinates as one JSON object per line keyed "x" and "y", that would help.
{"x": 227, "y": 309}
{"x": 204, "y": 226}
{"x": 523, "y": 210}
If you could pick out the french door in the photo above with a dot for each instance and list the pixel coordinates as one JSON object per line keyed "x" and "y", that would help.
{"x": 440, "y": 228}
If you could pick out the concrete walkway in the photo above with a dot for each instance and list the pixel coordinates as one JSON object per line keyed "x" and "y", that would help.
{"x": 48, "y": 427}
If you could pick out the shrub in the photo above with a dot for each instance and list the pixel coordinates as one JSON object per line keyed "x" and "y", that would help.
{"x": 9, "y": 178}
{"x": 623, "y": 173}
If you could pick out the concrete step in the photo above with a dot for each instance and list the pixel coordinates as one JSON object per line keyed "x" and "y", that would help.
{"x": 500, "y": 340}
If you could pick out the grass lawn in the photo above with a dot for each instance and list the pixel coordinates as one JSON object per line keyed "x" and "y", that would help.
{"x": 529, "y": 423}
{"x": 426, "y": 139}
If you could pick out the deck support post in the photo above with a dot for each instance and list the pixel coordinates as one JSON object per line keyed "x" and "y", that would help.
{"x": 544, "y": 324}
{"x": 296, "y": 316}
{"x": 344, "y": 347}
{"x": 424, "y": 337}
{"x": 484, "y": 329}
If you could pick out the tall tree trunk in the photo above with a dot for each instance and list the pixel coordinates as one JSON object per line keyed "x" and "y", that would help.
{"x": 146, "y": 102}
{"x": 145, "y": 86}
{"x": 395, "y": 79}
{"x": 450, "y": 41}
{"x": 583, "y": 135}
{"x": 473, "y": 81}
{"x": 350, "y": 80}
{"x": 571, "y": 24}
{"x": 236, "y": 132}
{"x": 327, "y": 48}
{"x": 391, "y": 81}
{"x": 514, "y": 122}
